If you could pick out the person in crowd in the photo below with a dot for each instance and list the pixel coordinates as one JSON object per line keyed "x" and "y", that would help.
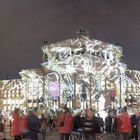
{"x": 113, "y": 124}
{"x": 15, "y": 129}
{"x": 24, "y": 126}
{"x": 108, "y": 124}
{"x": 10, "y": 124}
{"x": 125, "y": 124}
{"x": 101, "y": 123}
{"x": 55, "y": 122}
{"x": 43, "y": 126}
{"x": 117, "y": 124}
{"x": 139, "y": 126}
{"x": 134, "y": 123}
{"x": 65, "y": 122}
{"x": 2, "y": 135}
{"x": 90, "y": 125}
{"x": 51, "y": 123}
{"x": 33, "y": 125}
{"x": 77, "y": 121}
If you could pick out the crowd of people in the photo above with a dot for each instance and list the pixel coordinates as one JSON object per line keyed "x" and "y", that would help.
{"x": 89, "y": 124}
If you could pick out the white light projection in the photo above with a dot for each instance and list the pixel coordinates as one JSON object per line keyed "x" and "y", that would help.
{"x": 11, "y": 96}
{"x": 57, "y": 88}
{"x": 73, "y": 70}
{"x": 83, "y": 55}
{"x": 133, "y": 89}
{"x": 32, "y": 88}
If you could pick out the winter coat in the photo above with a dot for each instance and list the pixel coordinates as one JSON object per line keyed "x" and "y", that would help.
{"x": 1, "y": 127}
{"x": 24, "y": 125}
{"x": 125, "y": 122}
{"x": 134, "y": 120}
{"x": 77, "y": 123}
{"x": 117, "y": 123}
{"x": 15, "y": 130}
{"x": 68, "y": 121}
{"x": 100, "y": 121}
{"x": 43, "y": 123}
{"x": 33, "y": 123}
{"x": 108, "y": 121}
{"x": 91, "y": 125}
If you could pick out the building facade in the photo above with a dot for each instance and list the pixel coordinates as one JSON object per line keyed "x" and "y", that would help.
{"x": 80, "y": 72}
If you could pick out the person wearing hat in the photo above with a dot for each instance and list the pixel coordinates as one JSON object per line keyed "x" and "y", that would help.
{"x": 134, "y": 123}
{"x": 77, "y": 121}
{"x": 15, "y": 130}
{"x": 33, "y": 125}
{"x": 65, "y": 122}
{"x": 2, "y": 135}
{"x": 125, "y": 124}
{"x": 90, "y": 125}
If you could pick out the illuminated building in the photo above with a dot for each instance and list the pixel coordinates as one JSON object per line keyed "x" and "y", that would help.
{"x": 80, "y": 72}
{"x": 132, "y": 93}
{"x": 11, "y": 96}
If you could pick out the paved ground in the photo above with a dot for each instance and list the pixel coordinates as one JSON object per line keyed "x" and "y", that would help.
{"x": 55, "y": 136}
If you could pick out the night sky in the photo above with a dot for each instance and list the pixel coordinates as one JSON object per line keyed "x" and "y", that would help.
{"x": 26, "y": 24}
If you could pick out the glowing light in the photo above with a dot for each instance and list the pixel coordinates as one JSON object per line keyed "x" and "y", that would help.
{"x": 54, "y": 90}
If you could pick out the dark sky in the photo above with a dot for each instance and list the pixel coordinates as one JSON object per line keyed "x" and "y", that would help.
{"x": 25, "y": 24}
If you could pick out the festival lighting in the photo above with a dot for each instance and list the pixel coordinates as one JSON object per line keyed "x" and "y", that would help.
{"x": 54, "y": 90}
{"x": 79, "y": 72}
{"x": 89, "y": 57}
